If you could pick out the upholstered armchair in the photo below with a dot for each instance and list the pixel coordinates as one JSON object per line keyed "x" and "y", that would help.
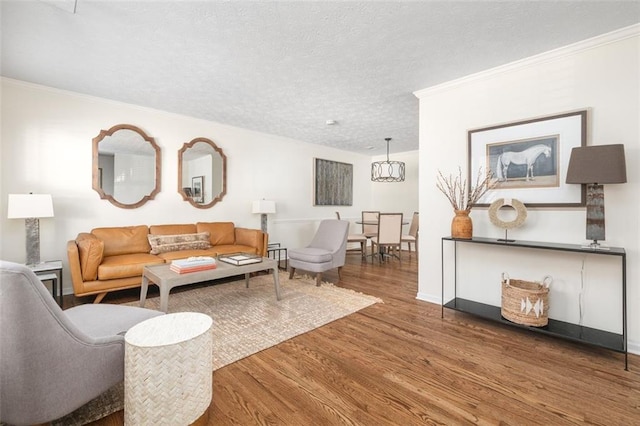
{"x": 326, "y": 251}
{"x": 53, "y": 361}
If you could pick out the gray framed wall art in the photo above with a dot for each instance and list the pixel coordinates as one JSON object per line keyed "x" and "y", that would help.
{"x": 333, "y": 183}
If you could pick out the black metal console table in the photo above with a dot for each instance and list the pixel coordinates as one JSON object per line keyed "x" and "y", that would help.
{"x": 565, "y": 330}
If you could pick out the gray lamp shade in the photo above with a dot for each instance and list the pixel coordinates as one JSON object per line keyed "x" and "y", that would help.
{"x": 597, "y": 164}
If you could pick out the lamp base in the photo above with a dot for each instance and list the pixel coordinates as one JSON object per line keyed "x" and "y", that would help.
{"x": 32, "y": 227}
{"x": 595, "y": 213}
{"x": 595, "y": 245}
{"x": 263, "y": 222}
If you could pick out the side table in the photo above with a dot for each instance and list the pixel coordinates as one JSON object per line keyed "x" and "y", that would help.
{"x": 274, "y": 251}
{"x": 168, "y": 370}
{"x": 45, "y": 272}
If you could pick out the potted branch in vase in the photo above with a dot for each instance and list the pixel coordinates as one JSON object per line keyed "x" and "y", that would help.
{"x": 462, "y": 199}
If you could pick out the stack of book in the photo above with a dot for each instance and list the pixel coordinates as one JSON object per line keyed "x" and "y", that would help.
{"x": 193, "y": 264}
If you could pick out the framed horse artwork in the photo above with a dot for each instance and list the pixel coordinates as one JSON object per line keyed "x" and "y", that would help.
{"x": 529, "y": 159}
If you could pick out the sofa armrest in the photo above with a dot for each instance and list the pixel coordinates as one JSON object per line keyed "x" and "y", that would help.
{"x": 74, "y": 267}
{"x": 253, "y": 238}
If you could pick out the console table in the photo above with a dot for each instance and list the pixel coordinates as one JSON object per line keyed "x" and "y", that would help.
{"x": 569, "y": 331}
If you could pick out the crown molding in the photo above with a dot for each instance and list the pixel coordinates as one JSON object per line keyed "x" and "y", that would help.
{"x": 552, "y": 55}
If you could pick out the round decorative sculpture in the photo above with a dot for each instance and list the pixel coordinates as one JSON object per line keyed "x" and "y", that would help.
{"x": 521, "y": 213}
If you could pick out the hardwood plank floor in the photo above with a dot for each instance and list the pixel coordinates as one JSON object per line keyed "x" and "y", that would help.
{"x": 400, "y": 363}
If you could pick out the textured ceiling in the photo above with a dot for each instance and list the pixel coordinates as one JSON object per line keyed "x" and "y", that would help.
{"x": 286, "y": 68}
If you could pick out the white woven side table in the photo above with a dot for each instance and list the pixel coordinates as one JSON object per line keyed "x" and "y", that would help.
{"x": 168, "y": 370}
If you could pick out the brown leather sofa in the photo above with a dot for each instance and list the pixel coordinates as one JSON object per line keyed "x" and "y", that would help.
{"x": 109, "y": 259}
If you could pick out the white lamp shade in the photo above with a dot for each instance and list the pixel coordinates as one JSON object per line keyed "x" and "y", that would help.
{"x": 264, "y": 206}
{"x": 22, "y": 206}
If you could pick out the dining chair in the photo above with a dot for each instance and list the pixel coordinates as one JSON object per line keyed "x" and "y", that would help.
{"x": 360, "y": 239}
{"x": 412, "y": 236}
{"x": 389, "y": 238}
{"x": 370, "y": 223}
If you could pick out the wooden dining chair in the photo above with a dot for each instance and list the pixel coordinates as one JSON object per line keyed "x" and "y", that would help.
{"x": 360, "y": 239}
{"x": 387, "y": 242}
{"x": 370, "y": 223}
{"x": 412, "y": 236}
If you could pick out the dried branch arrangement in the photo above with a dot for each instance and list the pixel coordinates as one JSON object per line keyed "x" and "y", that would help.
{"x": 455, "y": 188}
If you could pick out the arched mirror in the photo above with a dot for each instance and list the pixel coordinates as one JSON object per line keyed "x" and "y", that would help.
{"x": 202, "y": 173}
{"x": 126, "y": 166}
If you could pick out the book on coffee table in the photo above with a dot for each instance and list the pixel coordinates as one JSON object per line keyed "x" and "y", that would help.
{"x": 240, "y": 258}
{"x": 193, "y": 264}
{"x": 183, "y": 270}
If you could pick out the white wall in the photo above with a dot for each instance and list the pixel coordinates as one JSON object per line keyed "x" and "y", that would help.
{"x": 601, "y": 74}
{"x": 46, "y": 148}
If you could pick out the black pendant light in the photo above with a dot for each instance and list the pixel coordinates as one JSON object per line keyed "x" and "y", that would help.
{"x": 387, "y": 171}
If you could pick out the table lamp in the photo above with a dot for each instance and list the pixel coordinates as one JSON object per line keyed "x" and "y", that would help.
{"x": 594, "y": 166}
{"x": 31, "y": 207}
{"x": 264, "y": 207}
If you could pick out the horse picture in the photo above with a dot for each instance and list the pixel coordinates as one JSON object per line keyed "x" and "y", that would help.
{"x": 529, "y": 156}
{"x": 528, "y": 163}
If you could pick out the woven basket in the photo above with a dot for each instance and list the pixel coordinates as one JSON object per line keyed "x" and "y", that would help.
{"x": 525, "y": 302}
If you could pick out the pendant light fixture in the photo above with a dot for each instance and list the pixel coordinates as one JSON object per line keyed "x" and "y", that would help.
{"x": 387, "y": 171}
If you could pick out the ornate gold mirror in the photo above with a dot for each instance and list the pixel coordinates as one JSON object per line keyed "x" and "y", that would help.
{"x": 126, "y": 166}
{"x": 202, "y": 173}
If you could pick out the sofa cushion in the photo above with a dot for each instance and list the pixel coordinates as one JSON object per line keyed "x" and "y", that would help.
{"x": 91, "y": 250}
{"x": 250, "y": 237}
{"x": 173, "y": 229}
{"x": 124, "y": 239}
{"x": 126, "y": 265}
{"x": 221, "y": 232}
{"x": 167, "y": 243}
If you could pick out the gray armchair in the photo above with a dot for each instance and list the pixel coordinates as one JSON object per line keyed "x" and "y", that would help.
{"x": 326, "y": 251}
{"x": 53, "y": 361}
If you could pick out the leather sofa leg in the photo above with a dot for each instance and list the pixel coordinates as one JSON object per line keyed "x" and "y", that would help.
{"x": 318, "y": 279}
{"x": 99, "y": 297}
{"x": 291, "y": 271}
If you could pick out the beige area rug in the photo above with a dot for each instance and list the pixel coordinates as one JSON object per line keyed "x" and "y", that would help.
{"x": 245, "y": 321}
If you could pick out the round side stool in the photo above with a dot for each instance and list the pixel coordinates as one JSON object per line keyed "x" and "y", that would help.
{"x": 168, "y": 370}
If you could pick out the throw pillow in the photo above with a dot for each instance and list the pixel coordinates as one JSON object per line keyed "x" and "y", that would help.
{"x": 167, "y": 243}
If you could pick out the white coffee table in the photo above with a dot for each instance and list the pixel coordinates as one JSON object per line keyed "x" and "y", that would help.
{"x": 166, "y": 279}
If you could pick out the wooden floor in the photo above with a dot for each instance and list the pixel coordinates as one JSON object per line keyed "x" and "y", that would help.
{"x": 400, "y": 363}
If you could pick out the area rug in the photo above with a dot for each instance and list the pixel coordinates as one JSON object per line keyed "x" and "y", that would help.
{"x": 245, "y": 321}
